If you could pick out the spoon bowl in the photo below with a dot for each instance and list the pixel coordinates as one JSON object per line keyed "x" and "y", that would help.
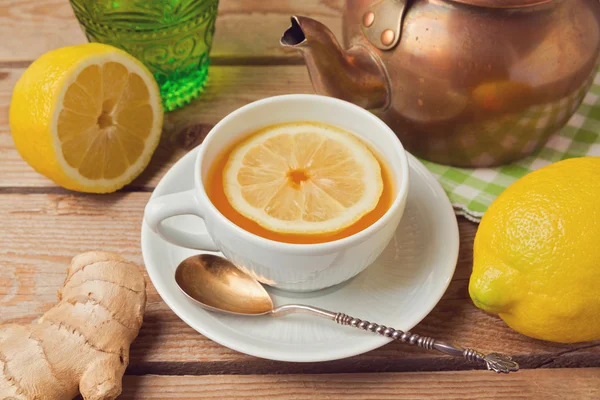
{"x": 218, "y": 285}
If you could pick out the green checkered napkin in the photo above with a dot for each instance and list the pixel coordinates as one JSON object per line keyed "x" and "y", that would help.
{"x": 471, "y": 191}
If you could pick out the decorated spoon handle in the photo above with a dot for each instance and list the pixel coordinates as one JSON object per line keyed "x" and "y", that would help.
{"x": 494, "y": 362}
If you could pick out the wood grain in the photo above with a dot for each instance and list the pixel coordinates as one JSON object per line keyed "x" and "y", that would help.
{"x": 247, "y": 31}
{"x": 229, "y": 88}
{"x": 41, "y": 232}
{"x": 581, "y": 384}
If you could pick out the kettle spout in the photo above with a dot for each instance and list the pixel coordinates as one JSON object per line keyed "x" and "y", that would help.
{"x": 355, "y": 75}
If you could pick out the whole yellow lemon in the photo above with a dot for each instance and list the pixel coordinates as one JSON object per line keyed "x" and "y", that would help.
{"x": 536, "y": 257}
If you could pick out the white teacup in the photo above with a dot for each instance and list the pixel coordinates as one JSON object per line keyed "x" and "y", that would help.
{"x": 294, "y": 267}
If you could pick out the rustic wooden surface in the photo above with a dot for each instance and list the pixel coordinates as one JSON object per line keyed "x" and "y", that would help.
{"x": 534, "y": 384}
{"x": 43, "y": 226}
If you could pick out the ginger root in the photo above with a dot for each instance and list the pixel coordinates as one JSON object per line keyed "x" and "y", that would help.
{"x": 81, "y": 345}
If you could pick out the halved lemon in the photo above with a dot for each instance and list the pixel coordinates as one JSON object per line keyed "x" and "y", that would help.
{"x": 303, "y": 178}
{"x": 88, "y": 117}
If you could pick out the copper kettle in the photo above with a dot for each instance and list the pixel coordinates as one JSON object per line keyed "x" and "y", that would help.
{"x": 471, "y": 83}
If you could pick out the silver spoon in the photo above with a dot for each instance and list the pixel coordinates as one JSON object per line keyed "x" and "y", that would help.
{"x": 217, "y": 285}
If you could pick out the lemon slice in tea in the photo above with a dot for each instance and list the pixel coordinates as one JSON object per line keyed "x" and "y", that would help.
{"x": 303, "y": 178}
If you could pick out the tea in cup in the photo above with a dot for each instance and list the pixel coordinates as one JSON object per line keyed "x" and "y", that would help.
{"x": 300, "y": 182}
{"x": 300, "y": 191}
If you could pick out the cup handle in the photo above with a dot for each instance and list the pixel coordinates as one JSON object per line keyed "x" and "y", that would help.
{"x": 171, "y": 205}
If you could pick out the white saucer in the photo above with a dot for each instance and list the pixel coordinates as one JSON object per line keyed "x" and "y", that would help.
{"x": 399, "y": 289}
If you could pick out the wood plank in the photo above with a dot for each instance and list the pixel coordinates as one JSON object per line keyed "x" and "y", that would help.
{"x": 229, "y": 88}
{"x": 558, "y": 384}
{"x": 247, "y": 31}
{"x": 41, "y": 232}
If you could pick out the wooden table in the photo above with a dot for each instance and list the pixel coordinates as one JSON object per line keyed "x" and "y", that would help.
{"x": 43, "y": 226}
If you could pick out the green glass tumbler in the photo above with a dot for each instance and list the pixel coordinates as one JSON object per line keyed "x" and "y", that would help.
{"x": 171, "y": 37}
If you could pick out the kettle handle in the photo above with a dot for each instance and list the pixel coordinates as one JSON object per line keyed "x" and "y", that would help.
{"x": 382, "y": 23}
